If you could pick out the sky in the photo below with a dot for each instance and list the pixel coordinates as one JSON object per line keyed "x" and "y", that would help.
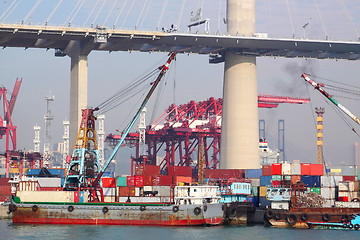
{"x": 191, "y": 77}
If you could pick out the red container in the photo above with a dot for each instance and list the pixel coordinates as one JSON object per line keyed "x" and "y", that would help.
{"x": 305, "y": 169}
{"x": 148, "y": 180}
{"x": 295, "y": 179}
{"x": 165, "y": 180}
{"x": 343, "y": 199}
{"x": 183, "y": 179}
{"x": 266, "y": 170}
{"x": 130, "y": 181}
{"x": 5, "y": 190}
{"x": 108, "y": 182}
{"x": 276, "y": 169}
{"x": 180, "y": 171}
{"x": 139, "y": 181}
{"x": 4, "y": 181}
{"x": 349, "y": 178}
{"x": 316, "y": 169}
{"x": 276, "y": 183}
{"x": 225, "y": 173}
{"x": 126, "y": 191}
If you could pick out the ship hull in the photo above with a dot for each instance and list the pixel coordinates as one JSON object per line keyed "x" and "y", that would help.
{"x": 118, "y": 214}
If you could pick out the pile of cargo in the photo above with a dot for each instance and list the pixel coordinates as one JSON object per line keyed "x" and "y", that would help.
{"x": 309, "y": 200}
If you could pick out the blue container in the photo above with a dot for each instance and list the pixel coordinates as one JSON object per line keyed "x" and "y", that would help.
{"x": 265, "y": 181}
{"x": 33, "y": 171}
{"x": 62, "y": 181}
{"x": 311, "y": 181}
{"x": 253, "y": 173}
{"x": 255, "y": 201}
{"x": 264, "y": 202}
{"x": 109, "y": 174}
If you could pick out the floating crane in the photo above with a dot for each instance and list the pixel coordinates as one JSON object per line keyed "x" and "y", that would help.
{"x": 81, "y": 158}
{"x": 318, "y": 87}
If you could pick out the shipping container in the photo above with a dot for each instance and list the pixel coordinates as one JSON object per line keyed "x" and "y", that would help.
{"x": 295, "y": 179}
{"x": 148, "y": 180}
{"x": 109, "y": 174}
{"x": 163, "y": 191}
{"x": 262, "y": 191}
{"x": 315, "y": 190}
{"x": 147, "y": 170}
{"x": 108, "y": 182}
{"x": 182, "y": 179}
{"x": 266, "y": 171}
{"x": 342, "y": 170}
{"x": 330, "y": 181}
{"x": 328, "y": 192}
{"x": 180, "y": 171}
{"x": 276, "y": 169}
{"x": 224, "y": 173}
{"x": 276, "y": 178}
{"x": 316, "y": 169}
{"x": 256, "y": 201}
{"x": 130, "y": 181}
{"x": 264, "y": 203}
{"x": 305, "y": 169}
{"x": 276, "y": 183}
{"x": 348, "y": 178}
{"x": 255, "y": 191}
{"x": 48, "y": 181}
{"x": 126, "y": 191}
{"x": 255, "y": 182}
{"x": 109, "y": 191}
{"x": 253, "y": 173}
{"x": 295, "y": 169}
{"x": 311, "y": 181}
{"x": 286, "y": 169}
{"x": 265, "y": 180}
{"x": 121, "y": 181}
{"x": 139, "y": 181}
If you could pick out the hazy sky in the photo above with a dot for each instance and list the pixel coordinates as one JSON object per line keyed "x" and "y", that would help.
{"x": 195, "y": 78}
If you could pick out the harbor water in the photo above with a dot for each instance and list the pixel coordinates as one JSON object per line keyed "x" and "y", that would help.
{"x": 10, "y": 231}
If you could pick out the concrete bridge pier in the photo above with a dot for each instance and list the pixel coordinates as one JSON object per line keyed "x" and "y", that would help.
{"x": 240, "y": 133}
{"x": 78, "y": 87}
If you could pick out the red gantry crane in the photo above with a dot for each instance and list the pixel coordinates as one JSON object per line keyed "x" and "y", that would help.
{"x": 180, "y": 129}
{"x": 7, "y": 127}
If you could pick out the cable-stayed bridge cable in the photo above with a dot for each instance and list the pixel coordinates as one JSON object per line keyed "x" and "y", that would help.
{"x": 52, "y": 12}
{"x": 91, "y": 12}
{"x": 122, "y": 8}
{"x": 32, "y": 10}
{"x": 127, "y": 15}
{"x": 8, "y": 8}
{"x": 112, "y": 8}
{"x": 97, "y": 15}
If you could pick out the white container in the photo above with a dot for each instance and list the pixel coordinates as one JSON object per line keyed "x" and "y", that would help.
{"x": 137, "y": 191}
{"x": 328, "y": 193}
{"x": 109, "y": 198}
{"x": 328, "y": 203}
{"x": 344, "y": 194}
{"x": 163, "y": 191}
{"x": 255, "y": 182}
{"x": 109, "y": 192}
{"x": 295, "y": 169}
{"x": 330, "y": 181}
{"x": 48, "y": 182}
{"x": 286, "y": 169}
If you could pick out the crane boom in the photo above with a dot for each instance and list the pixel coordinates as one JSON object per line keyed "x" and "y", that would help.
{"x": 328, "y": 96}
{"x": 163, "y": 69}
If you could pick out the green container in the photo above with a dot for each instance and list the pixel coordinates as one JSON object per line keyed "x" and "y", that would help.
{"x": 315, "y": 190}
{"x": 255, "y": 191}
{"x": 287, "y": 177}
{"x": 276, "y": 177}
{"x": 121, "y": 181}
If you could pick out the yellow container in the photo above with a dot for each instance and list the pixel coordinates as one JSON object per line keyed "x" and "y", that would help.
{"x": 263, "y": 191}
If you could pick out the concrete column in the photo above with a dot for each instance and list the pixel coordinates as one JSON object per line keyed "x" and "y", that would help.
{"x": 78, "y": 94}
{"x": 240, "y": 133}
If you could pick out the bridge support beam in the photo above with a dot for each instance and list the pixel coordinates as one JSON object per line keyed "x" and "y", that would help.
{"x": 240, "y": 133}
{"x": 78, "y": 89}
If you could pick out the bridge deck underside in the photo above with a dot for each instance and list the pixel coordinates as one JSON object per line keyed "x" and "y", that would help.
{"x": 118, "y": 40}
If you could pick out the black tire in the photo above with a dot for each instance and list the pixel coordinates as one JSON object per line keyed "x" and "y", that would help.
{"x": 142, "y": 208}
{"x": 304, "y": 217}
{"x": 269, "y": 214}
{"x": 12, "y": 208}
{"x": 351, "y": 226}
{"x": 325, "y": 217}
{"x": 277, "y": 216}
{"x": 34, "y": 208}
{"x": 291, "y": 219}
{"x": 175, "y": 209}
{"x": 105, "y": 210}
{"x": 356, "y": 226}
{"x": 197, "y": 211}
{"x": 70, "y": 208}
{"x": 231, "y": 211}
{"x": 205, "y": 208}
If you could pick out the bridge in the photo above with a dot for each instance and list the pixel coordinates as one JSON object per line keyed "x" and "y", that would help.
{"x": 238, "y": 48}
